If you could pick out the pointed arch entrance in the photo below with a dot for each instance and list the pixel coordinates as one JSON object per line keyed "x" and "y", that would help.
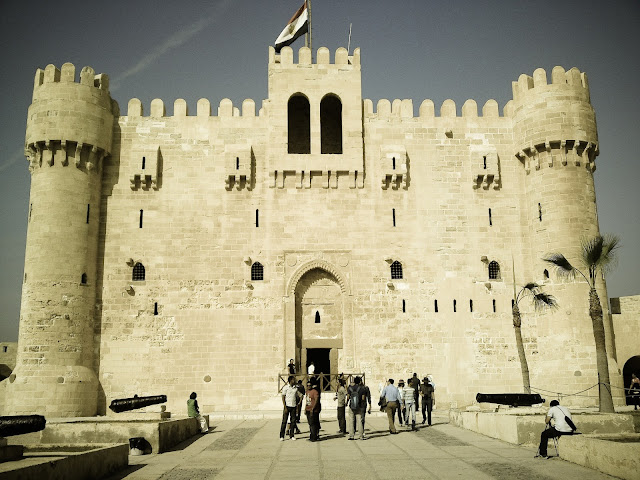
{"x": 318, "y": 320}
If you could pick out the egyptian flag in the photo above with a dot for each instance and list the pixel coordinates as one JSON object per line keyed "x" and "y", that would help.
{"x": 297, "y": 26}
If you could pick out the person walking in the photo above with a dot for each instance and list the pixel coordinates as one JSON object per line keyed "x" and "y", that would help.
{"x": 401, "y": 407}
{"x": 367, "y": 396}
{"x": 194, "y": 411}
{"x": 356, "y": 401}
{"x": 341, "y": 395}
{"x": 414, "y": 382}
{"x": 391, "y": 395}
{"x": 299, "y": 410}
{"x": 410, "y": 405}
{"x": 312, "y": 411}
{"x": 290, "y": 399}
{"x": 426, "y": 392}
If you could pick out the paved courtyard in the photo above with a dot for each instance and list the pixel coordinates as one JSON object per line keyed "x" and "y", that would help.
{"x": 250, "y": 449}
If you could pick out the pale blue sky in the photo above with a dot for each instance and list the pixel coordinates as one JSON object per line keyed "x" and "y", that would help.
{"x": 410, "y": 49}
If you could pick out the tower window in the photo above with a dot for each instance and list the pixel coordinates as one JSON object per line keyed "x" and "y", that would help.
{"x": 155, "y": 308}
{"x": 393, "y": 163}
{"x": 138, "y": 272}
{"x": 455, "y": 306}
{"x": 540, "y": 212}
{"x": 257, "y": 218}
{"x": 88, "y": 211}
{"x": 83, "y": 279}
{"x": 317, "y": 317}
{"x": 494, "y": 270}
{"x": 484, "y": 161}
{"x": 330, "y": 124}
{"x": 494, "y": 305}
{"x": 435, "y": 306}
{"x": 471, "y": 306}
{"x": 396, "y": 270}
{"x": 141, "y": 212}
{"x": 404, "y": 306}
{"x": 237, "y": 163}
{"x": 490, "y": 220}
{"x": 143, "y": 162}
{"x": 393, "y": 214}
{"x": 257, "y": 271}
{"x": 299, "y": 125}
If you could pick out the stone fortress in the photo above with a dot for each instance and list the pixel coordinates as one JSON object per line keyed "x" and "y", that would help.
{"x": 171, "y": 254}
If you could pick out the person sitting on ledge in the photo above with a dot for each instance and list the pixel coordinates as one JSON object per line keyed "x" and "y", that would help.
{"x": 194, "y": 411}
{"x": 562, "y": 425}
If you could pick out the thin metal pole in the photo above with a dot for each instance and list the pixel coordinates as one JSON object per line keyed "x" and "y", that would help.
{"x": 310, "y": 45}
{"x": 349, "y": 42}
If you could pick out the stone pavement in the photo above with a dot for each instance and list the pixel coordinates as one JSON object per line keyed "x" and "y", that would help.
{"x": 250, "y": 449}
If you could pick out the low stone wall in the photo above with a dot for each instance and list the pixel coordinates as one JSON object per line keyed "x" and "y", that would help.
{"x": 161, "y": 434}
{"x": 61, "y": 462}
{"x": 615, "y": 455}
{"x": 523, "y": 426}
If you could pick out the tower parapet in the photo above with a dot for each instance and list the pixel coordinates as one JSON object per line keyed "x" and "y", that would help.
{"x": 69, "y": 133}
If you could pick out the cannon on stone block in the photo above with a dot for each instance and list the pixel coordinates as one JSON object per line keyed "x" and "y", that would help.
{"x": 512, "y": 399}
{"x": 21, "y": 424}
{"x": 126, "y": 404}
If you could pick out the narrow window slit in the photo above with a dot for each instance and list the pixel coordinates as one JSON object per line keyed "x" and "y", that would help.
{"x": 155, "y": 308}
{"x": 143, "y": 162}
{"x": 435, "y": 306}
{"x": 490, "y": 220}
{"x": 455, "y": 307}
{"x": 257, "y": 218}
{"x": 404, "y": 306}
{"x": 88, "y": 211}
{"x": 317, "y": 317}
{"x": 471, "y": 306}
{"x": 141, "y": 212}
{"x": 393, "y": 213}
{"x": 494, "y": 305}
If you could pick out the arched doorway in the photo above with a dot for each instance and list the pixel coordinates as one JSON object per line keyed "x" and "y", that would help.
{"x": 631, "y": 366}
{"x": 319, "y": 318}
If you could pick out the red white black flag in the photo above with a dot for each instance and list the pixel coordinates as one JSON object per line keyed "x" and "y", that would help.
{"x": 297, "y": 26}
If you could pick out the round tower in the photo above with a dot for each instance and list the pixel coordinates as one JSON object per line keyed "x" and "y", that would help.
{"x": 557, "y": 141}
{"x": 69, "y": 133}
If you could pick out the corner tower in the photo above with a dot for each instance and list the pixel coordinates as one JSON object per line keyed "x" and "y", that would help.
{"x": 69, "y": 133}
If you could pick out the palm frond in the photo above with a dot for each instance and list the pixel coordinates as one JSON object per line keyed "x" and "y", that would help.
{"x": 531, "y": 286}
{"x": 543, "y": 300}
{"x": 592, "y": 251}
{"x": 609, "y": 256}
{"x": 561, "y": 264}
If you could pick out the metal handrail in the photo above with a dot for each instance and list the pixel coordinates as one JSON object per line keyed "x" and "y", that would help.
{"x": 328, "y": 381}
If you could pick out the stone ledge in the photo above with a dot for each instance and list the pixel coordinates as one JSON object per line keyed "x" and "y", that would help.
{"x": 612, "y": 454}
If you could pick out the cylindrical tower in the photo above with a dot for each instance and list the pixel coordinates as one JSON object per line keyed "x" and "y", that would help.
{"x": 69, "y": 133}
{"x": 555, "y": 133}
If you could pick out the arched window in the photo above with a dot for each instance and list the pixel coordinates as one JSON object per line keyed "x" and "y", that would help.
{"x": 330, "y": 125}
{"x": 317, "y": 317}
{"x": 257, "y": 271}
{"x": 494, "y": 270}
{"x": 83, "y": 279}
{"x": 138, "y": 272}
{"x": 299, "y": 124}
{"x": 396, "y": 270}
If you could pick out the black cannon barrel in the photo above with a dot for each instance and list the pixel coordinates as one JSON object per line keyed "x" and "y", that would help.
{"x": 513, "y": 399}
{"x": 126, "y": 404}
{"x": 20, "y": 424}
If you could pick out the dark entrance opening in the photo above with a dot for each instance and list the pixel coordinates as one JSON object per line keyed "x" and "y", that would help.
{"x": 320, "y": 358}
{"x": 631, "y": 366}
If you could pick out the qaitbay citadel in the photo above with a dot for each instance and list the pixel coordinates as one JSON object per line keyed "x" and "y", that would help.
{"x": 200, "y": 251}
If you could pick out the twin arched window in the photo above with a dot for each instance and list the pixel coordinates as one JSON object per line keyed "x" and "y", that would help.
{"x": 299, "y": 124}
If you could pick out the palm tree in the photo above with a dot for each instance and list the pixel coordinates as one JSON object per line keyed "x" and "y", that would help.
{"x": 540, "y": 301}
{"x": 598, "y": 256}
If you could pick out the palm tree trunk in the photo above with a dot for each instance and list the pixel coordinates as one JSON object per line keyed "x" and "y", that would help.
{"x": 595, "y": 312}
{"x": 524, "y": 366}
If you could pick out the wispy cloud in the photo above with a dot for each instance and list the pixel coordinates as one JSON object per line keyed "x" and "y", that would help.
{"x": 173, "y": 41}
{"x": 13, "y": 159}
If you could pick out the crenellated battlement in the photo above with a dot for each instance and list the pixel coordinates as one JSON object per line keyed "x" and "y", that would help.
{"x": 67, "y": 74}
{"x": 203, "y": 109}
{"x": 571, "y": 80}
{"x": 403, "y": 109}
{"x": 323, "y": 57}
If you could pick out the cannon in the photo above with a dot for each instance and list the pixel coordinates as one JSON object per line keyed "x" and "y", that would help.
{"x": 20, "y": 424}
{"x": 126, "y": 404}
{"x": 512, "y": 399}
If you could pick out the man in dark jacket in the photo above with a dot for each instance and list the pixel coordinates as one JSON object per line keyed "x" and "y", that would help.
{"x": 426, "y": 392}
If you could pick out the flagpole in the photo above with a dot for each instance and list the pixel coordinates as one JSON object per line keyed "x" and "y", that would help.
{"x": 349, "y": 42}
{"x": 308, "y": 36}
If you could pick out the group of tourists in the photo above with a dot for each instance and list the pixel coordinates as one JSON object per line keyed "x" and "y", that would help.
{"x": 353, "y": 404}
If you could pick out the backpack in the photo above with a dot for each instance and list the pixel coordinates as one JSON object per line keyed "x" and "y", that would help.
{"x": 354, "y": 400}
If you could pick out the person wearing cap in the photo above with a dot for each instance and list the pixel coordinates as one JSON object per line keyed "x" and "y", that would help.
{"x": 392, "y": 396}
{"x": 426, "y": 392}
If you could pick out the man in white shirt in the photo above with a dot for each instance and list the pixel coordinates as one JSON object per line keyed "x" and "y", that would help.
{"x": 560, "y": 426}
{"x": 290, "y": 399}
